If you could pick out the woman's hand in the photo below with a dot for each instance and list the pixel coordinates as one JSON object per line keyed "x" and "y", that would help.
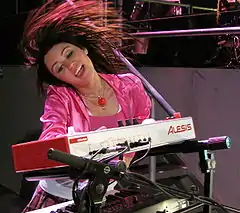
{"x": 149, "y": 121}
{"x": 71, "y": 130}
{"x": 101, "y": 128}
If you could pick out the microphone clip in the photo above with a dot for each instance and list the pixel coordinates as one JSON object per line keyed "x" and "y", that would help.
{"x": 91, "y": 198}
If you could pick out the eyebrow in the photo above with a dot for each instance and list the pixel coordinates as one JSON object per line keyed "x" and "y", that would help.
{"x": 61, "y": 54}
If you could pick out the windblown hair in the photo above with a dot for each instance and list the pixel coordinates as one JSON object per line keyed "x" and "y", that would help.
{"x": 85, "y": 23}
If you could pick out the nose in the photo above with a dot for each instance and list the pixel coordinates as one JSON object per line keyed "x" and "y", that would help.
{"x": 69, "y": 64}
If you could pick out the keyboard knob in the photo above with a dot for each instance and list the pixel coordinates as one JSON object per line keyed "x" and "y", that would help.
{"x": 135, "y": 121}
{"x": 120, "y": 123}
{"x": 128, "y": 122}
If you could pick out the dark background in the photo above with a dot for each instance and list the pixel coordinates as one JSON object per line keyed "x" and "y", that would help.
{"x": 179, "y": 52}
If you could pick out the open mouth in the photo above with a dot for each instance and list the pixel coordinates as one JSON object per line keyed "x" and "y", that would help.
{"x": 79, "y": 70}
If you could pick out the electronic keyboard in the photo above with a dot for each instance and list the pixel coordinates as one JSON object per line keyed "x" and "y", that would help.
{"x": 32, "y": 156}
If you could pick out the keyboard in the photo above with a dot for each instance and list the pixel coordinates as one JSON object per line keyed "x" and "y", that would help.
{"x": 53, "y": 208}
{"x": 116, "y": 202}
{"x": 32, "y": 156}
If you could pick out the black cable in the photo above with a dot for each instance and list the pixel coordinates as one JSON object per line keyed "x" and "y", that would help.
{"x": 147, "y": 185}
{"x": 190, "y": 196}
{"x": 75, "y": 185}
{"x": 149, "y": 182}
{"x": 107, "y": 159}
{"x": 142, "y": 180}
{"x": 215, "y": 203}
{"x": 95, "y": 154}
{"x": 74, "y": 192}
{"x": 201, "y": 199}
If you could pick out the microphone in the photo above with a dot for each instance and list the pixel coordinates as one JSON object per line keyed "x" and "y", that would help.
{"x": 190, "y": 146}
{"x": 216, "y": 143}
{"x": 86, "y": 167}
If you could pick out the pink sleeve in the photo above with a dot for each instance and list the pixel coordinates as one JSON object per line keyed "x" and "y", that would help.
{"x": 141, "y": 101}
{"x": 54, "y": 118}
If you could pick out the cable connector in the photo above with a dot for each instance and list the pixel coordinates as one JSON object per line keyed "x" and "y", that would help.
{"x": 108, "y": 150}
{"x": 140, "y": 143}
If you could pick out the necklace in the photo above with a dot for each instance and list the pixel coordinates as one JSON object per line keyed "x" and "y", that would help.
{"x": 99, "y": 100}
{"x": 102, "y": 101}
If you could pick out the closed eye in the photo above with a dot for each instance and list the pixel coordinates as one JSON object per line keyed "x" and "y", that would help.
{"x": 60, "y": 69}
{"x": 69, "y": 54}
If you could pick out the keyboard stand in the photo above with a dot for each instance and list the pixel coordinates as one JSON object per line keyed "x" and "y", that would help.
{"x": 207, "y": 165}
{"x": 152, "y": 159}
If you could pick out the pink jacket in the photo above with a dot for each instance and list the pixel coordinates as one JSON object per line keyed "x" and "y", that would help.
{"x": 64, "y": 107}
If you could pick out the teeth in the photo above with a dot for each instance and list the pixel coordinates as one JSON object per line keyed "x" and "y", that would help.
{"x": 78, "y": 70}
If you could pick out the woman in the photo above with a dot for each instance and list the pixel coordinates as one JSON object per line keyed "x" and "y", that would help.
{"x": 72, "y": 45}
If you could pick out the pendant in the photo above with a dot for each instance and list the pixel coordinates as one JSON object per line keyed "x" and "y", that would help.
{"x": 102, "y": 101}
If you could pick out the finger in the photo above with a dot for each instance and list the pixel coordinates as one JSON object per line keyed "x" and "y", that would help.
{"x": 102, "y": 127}
{"x": 149, "y": 121}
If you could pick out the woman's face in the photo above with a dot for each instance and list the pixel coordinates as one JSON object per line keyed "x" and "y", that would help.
{"x": 70, "y": 64}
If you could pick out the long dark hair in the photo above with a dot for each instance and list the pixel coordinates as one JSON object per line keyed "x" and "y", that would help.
{"x": 84, "y": 23}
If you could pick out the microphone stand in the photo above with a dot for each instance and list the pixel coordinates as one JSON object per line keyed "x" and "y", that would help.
{"x": 207, "y": 165}
{"x": 90, "y": 199}
{"x": 92, "y": 196}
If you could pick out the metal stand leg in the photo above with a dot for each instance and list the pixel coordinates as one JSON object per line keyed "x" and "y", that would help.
{"x": 152, "y": 168}
{"x": 207, "y": 165}
{"x": 208, "y": 189}
{"x": 152, "y": 161}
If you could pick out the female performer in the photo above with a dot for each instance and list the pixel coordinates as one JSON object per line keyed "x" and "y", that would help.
{"x": 72, "y": 44}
